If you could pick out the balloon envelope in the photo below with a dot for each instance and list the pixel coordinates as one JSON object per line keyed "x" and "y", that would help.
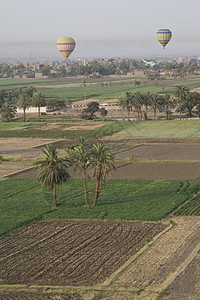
{"x": 164, "y": 36}
{"x": 66, "y": 46}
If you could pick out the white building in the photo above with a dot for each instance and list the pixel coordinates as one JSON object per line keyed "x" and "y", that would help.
{"x": 32, "y": 110}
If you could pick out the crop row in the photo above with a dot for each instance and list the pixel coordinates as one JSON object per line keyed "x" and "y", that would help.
{"x": 189, "y": 208}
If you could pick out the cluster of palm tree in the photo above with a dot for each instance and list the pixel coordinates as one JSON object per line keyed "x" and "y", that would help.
{"x": 141, "y": 103}
{"x": 53, "y": 170}
{"x": 25, "y": 98}
{"x": 185, "y": 101}
{"x": 25, "y": 101}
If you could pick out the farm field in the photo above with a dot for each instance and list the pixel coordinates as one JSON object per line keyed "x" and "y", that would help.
{"x": 35, "y": 265}
{"x": 96, "y": 88}
{"x": 119, "y": 200}
{"x": 71, "y": 252}
{"x": 156, "y": 177}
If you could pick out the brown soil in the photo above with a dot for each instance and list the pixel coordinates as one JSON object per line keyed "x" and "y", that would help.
{"x": 49, "y": 254}
{"x": 156, "y": 171}
{"x": 138, "y": 170}
{"x": 180, "y": 152}
{"x": 68, "y": 252}
{"x": 7, "y": 169}
{"x": 14, "y": 144}
{"x": 154, "y": 159}
{"x": 84, "y": 125}
{"x": 187, "y": 285}
{"x": 5, "y": 295}
{"x": 168, "y": 258}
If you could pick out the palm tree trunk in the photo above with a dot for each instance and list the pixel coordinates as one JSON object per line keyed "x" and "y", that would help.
{"x": 166, "y": 112}
{"x": 24, "y": 115}
{"x": 154, "y": 113}
{"x": 180, "y": 103}
{"x": 38, "y": 113}
{"x": 140, "y": 113}
{"x": 85, "y": 187}
{"x": 128, "y": 115}
{"x": 54, "y": 196}
{"x": 96, "y": 191}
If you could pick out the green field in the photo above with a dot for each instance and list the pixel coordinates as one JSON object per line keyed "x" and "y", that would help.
{"x": 17, "y": 125}
{"x": 23, "y": 200}
{"x": 96, "y": 92}
{"x": 162, "y": 129}
{"x": 54, "y": 88}
{"x": 19, "y": 129}
{"x": 122, "y": 130}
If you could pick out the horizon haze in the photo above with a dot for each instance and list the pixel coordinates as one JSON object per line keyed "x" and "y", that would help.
{"x": 125, "y": 28}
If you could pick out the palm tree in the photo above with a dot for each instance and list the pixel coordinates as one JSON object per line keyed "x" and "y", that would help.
{"x": 155, "y": 103}
{"x": 7, "y": 112}
{"x": 180, "y": 92}
{"x": 38, "y": 101}
{"x": 138, "y": 101}
{"x": 52, "y": 169}
{"x": 126, "y": 103}
{"x": 146, "y": 102}
{"x": 166, "y": 102}
{"x": 102, "y": 161}
{"x": 23, "y": 103}
{"x": 80, "y": 156}
{"x": 190, "y": 101}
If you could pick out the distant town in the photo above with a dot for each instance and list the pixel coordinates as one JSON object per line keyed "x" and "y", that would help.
{"x": 102, "y": 67}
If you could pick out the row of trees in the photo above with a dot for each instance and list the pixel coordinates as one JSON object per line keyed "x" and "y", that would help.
{"x": 53, "y": 170}
{"x": 182, "y": 100}
{"x": 8, "y": 110}
{"x": 12, "y": 96}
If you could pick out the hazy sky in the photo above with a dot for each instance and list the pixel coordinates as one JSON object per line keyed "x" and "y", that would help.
{"x": 121, "y": 27}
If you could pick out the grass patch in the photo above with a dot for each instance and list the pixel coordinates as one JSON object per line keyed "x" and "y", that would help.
{"x": 19, "y": 129}
{"x": 162, "y": 129}
{"x": 122, "y": 129}
{"x": 18, "y": 125}
{"x": 23, "y": 200}
{"x": 77, "y": 92}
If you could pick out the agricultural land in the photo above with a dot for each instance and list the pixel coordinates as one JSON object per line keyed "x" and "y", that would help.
{"x": 141, "y": 241}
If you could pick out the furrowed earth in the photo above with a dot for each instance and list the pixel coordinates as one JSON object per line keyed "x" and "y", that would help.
{"x": 70, "y": 259}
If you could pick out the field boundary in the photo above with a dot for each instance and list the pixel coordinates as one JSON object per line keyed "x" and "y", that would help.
{"x": 114, "y": 276}
{"x": 18, "y": 172}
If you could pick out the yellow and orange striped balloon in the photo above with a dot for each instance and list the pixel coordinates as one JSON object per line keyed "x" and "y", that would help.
{"x": 66, "y": 46}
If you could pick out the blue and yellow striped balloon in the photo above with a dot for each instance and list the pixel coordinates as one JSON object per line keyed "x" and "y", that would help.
{"x": 164, "y": 36}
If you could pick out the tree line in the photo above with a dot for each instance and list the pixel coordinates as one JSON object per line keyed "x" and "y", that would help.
{"x": 182, "y": 100}
{"x": 24, "y": 98}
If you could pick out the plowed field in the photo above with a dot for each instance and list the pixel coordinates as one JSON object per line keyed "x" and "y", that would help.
{"x": 67, "y": 252}
{"x": 154, "y": 159}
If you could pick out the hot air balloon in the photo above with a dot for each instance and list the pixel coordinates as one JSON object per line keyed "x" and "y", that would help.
{"x": 164, "y": 36}
{"x": 66, "y": 46}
